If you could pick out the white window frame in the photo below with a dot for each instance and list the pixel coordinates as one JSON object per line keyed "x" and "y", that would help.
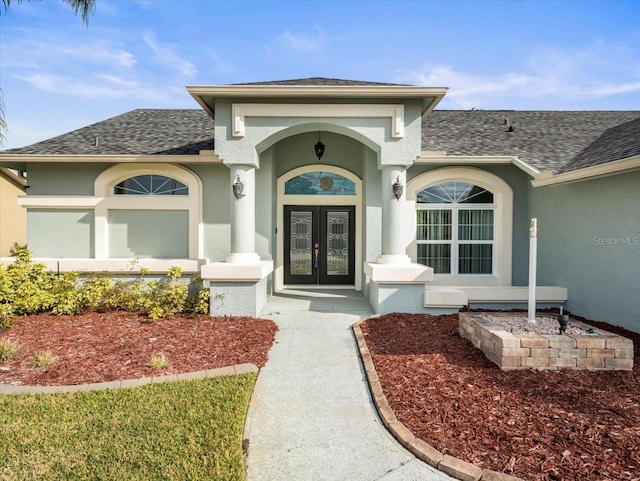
{"x": 104, "y": 189}
{"x": 502, "y": 221}
{"x": 455, "y": 242}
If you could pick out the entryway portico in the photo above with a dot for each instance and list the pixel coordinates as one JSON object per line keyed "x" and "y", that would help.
{"x": 265, "y": 135}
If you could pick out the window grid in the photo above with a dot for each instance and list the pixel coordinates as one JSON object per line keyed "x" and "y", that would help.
{"x": 458, "y": 254}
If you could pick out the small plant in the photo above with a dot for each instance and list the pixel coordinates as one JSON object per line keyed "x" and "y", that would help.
{"x": 8, "y": 349}
{"x": 158, "y": 361}
{"x": 44, "y": 359}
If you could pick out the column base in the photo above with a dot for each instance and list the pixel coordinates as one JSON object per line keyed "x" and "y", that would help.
{"x": 243, "y": 258}
{"x": 393, "y": 259}
{"x": 397, "y": 287}
{"x": 398, "y": 273}
{"x": 237, "y": 289}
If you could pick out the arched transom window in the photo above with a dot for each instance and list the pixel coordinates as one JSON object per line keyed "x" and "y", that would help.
{"x": 150, "y": 184}
{"x": 456, "y": 229}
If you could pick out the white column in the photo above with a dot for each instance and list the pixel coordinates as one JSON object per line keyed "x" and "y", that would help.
{"x": 243, "y": 216}
{"x": 393, "y": 223}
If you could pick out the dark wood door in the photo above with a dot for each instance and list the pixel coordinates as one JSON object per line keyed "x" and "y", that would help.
{"x": 319, "y": 244}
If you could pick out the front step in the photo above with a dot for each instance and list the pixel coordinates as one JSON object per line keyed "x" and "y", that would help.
{"x": 504, "y": 297}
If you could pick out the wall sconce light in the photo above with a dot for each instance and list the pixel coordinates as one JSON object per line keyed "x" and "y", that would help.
{"x": 398, "y": 188}
{"x": 319, "y": 148}
{"x": 238, "y": 188}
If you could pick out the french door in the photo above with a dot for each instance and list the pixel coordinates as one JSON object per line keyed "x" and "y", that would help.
{"x": 319, "y": 244}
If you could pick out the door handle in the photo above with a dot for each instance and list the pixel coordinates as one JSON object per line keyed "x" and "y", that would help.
{"x": 316, "y": 255}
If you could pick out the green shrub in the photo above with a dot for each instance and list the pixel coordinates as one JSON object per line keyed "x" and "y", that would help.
{"x": 27, "y": 287}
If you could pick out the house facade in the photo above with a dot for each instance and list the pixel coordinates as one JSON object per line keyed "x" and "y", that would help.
{"x": 322, "y": 183}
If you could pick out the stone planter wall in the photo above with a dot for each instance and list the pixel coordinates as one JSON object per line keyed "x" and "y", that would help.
{"x": 601, "y": 350}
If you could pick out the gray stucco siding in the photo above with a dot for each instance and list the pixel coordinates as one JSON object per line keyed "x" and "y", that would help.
{"x": 60, "y": 232}
{"x": 589, "y": 242}
{"x": 146, "y": 233}
{"x": 216, "y": 209}
{"x": 340, "y": 151}
{"x": 64, "y": 178}
{"x": 264, "y": 132}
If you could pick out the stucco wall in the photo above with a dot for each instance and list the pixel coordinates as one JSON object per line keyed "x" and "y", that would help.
{"x": 60, "y": 233}
{"x": 216, "y": 209}
{"x": 13, "y": 218}
{"x": 145, "y": 233}
{"x": 589, "y": 242}
{"x": 63, "y": 178}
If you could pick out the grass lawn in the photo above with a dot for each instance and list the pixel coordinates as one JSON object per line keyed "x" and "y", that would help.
{"x": 189, "y": 430}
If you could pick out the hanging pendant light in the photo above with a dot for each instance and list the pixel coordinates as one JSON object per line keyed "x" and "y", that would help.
{"x": 319, "y": 148}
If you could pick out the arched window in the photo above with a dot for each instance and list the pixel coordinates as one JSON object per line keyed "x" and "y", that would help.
{"x": 463, "y": 225}
{"x": 150, "y": 184}
{"x": 148, "y": 210}
{"x": 455, "y": 228}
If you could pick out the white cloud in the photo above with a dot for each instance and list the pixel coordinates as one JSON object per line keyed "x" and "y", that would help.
{"x": 102, "y": 86}
{"x": 302, "y": 42}
{"x": 167, "y": 54}
{"x": 570, "y": 76}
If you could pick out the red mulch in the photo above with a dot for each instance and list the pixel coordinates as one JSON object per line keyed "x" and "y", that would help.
{"x": 96, "y": 347}
{"x": 537, "y": 425}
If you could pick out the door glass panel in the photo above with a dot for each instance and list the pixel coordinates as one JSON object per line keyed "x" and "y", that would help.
{"x": 337, "y": 243}
{"x": 301, "y": 251}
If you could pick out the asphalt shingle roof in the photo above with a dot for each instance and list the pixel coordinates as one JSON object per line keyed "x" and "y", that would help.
{"x": 322, "y": 81}
{"x": 547, "y": 140}
{"x": 620, "y": 142}
{"x": 141, "y": 132}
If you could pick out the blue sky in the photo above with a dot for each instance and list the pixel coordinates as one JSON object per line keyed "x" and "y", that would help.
{"x": 58, "y": 75}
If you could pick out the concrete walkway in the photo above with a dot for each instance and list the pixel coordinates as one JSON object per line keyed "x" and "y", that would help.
{"x": 311, "y": 416}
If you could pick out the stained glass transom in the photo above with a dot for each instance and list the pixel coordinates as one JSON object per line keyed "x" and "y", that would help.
{"x": 319, "y": 183}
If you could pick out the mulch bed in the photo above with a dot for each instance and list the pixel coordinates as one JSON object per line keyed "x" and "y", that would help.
{"x": 537, "y": 425}
{"x": 97, "y": 347}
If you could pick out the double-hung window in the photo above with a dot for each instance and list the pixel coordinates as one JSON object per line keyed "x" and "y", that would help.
{"x": 456, "y": 229}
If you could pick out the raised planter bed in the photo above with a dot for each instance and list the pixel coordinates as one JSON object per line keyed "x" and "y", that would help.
{"x": 582, "y": 347}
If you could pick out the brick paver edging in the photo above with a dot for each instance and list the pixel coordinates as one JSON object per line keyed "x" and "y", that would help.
{"x": 454, "y": 467}
{"x": 207, "y": 373}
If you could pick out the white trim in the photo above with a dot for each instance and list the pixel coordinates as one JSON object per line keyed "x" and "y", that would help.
{"x": 58, "y": 201}
{"x": 355, "y": 200}
{"x": 503, "y": 221}
{"x": 395, "y": 112}
{"x": 273, "y": 90}
{"x": 103, "y": 188}
{"x": 441, "y": 157}
{"x": 610, "y": 168}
